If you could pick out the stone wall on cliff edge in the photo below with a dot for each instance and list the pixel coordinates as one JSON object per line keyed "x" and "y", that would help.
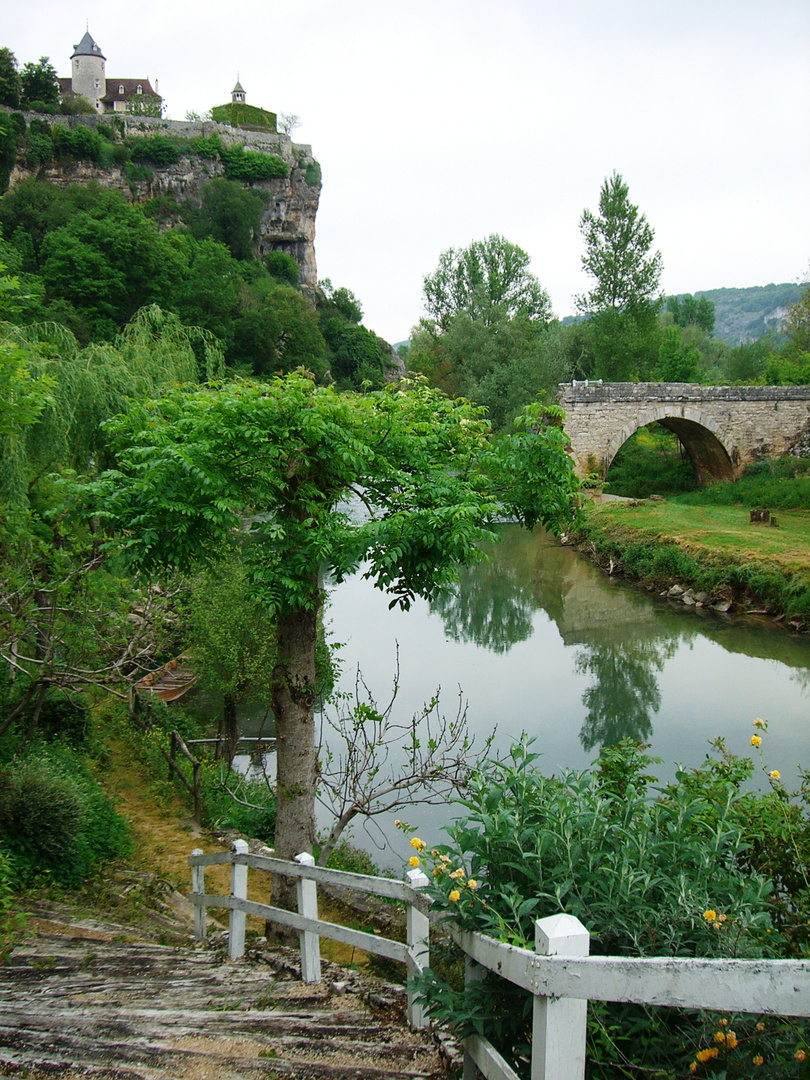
{"x": 288, "y": 221}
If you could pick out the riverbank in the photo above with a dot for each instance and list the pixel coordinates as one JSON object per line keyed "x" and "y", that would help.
{"x": 728, "y": 561}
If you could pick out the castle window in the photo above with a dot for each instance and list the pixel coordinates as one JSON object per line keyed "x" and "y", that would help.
{"x": 121, "y": 88}
{"x": 139, "y": 89}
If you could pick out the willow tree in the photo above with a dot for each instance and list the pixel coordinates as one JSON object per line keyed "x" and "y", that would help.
{"x": 64, "y": 607}
{"x": 278, "y": 464}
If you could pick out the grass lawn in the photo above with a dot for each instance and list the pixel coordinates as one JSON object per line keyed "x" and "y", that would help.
{"x": 721, "y": 533}
{"x": 715, "y": 548}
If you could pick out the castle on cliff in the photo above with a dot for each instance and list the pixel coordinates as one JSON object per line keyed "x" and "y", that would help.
{"x": 88, "y": 79}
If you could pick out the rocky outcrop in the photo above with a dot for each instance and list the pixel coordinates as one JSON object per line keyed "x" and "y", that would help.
{"x": 288, "y": 222}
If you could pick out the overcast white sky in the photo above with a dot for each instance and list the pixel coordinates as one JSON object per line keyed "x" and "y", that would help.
{"x": 438, "y": 122}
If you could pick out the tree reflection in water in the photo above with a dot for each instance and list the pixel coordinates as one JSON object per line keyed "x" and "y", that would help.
{"x": 625, "y": 691}
{"x": 623, "y": 647}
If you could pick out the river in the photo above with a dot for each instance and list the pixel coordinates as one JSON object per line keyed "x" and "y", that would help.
{"x": 538, "y": 640}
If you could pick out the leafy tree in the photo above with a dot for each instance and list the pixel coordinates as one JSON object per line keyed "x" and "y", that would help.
{"x": 501, "y": 366}
{"x": 677, "y": 362}
{"x": 232, "y": 638}
{"x": 486, "y": 338}
{"x": 284, "y": 456}
{"x": 283, "y": 267}
{"x": 65, "y": 604}
{"x": 622, "y": 303}
{"x": 108, "y": 263}
{"x": 488, "y": 280}
{"x": 10, "y": 85}
{"x": 38, "y": 83}
{"x": 689, "y": 310}
{"x": 339, "y": 303}
{"x": 277, "y": 332}
{"x": 231, "y": 214}
{"x": 797, "y": 326}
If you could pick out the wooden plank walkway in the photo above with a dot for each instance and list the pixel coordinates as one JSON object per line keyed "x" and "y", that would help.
{"x": 124, "y": 1010}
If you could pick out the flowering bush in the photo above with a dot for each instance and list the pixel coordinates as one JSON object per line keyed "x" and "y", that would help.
{"x": 650, "y": 871}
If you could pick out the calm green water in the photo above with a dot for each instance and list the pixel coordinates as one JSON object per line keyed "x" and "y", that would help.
{"x": 538, "y": 640}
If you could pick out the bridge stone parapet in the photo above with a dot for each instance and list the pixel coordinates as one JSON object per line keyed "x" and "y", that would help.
{"x": 722, "y": 428}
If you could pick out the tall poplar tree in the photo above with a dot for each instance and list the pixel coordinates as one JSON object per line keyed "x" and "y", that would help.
{"x": 623, "y": 302}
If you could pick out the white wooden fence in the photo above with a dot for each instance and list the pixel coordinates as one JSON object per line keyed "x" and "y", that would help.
{"x": 559, "y": 974}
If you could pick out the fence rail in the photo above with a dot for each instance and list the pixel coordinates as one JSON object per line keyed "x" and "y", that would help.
{"x": 559, "y": 974}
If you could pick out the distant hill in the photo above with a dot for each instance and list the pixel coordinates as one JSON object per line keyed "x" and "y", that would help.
{"x": 745, "y": 314}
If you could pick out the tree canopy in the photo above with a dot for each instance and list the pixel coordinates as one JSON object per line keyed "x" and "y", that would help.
{"x": 276, "y": 464}
{"x": 623, "y": 301}
{"x": 488, "y": 280}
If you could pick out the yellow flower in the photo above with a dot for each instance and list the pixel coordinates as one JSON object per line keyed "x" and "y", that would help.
{"x": 710, "y": 915}
{"x": 760, "y": 1026}
{"x": 722, "y": 918}
{"x": 707, "y": 1054}
{"x": 720, "y": 1036}
{"x": 472, "y": 883}
{"x": 420, "y": 845}
{"x": 722, "y": 1023}
{"x": 800, "y": 1055}
{"x": 455, "y": 895}
{"x": 414, "y": 860}
{"x": 774, "y": 774}
{"x": 759, "y": 722}
{"x": 731, "y": 1040}
{"x": 756, "y": 740}
{"x": 692, "y": 1066}
{"x": 457, "y": 873}
{"x": 759, "y": 1060}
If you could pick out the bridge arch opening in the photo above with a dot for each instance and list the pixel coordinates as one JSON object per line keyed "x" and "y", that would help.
{"x": 710, "y": 461}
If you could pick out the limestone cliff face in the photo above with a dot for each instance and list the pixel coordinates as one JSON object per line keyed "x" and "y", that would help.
{"x": 288, "y": 222}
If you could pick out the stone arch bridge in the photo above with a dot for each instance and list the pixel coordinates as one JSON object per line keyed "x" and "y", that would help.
{"x": 722, "y": 428}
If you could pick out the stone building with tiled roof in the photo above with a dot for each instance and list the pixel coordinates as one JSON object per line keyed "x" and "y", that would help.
{"x": 88, "y": 78}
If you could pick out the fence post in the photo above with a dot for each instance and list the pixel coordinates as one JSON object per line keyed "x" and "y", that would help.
{"x": 198, "y": 793}
{"x": 310, "y": 944}
{"x": 418, "y": 941}
{"x": 236, "y": 931}
{"x": 472, "y": 973}
{"x": 198, "y": 889}
{"x": 558, "y": 1026}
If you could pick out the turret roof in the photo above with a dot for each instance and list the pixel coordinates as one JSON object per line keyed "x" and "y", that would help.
{"x": 87, "y": 47}
{"x": 238, "y": 89}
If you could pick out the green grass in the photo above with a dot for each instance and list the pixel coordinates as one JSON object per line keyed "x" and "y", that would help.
{"x": 714, "y": 548}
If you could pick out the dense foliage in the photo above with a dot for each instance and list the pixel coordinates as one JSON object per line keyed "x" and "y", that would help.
{"x": 61, "y": 847}
{"x": 489, "y": 336}
{"x": 699, "y": 867}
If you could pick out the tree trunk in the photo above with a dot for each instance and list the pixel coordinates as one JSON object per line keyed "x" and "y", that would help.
{"x": 231, "y": 724}
{"x": 292, "y": 694}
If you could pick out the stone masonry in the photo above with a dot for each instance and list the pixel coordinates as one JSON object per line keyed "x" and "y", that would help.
{"x": 722, "y": 428}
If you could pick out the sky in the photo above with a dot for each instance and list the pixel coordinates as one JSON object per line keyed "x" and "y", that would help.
{"x": 440, "y": 122}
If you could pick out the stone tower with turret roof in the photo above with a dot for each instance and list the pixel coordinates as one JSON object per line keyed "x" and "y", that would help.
{"x": 87, "y": 72}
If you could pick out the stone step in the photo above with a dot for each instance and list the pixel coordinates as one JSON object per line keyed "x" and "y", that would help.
{"x": 140, "y": 1011}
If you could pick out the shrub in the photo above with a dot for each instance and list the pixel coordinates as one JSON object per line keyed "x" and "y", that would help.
{"x": 80, "y": 143}
{"x": 160, "y": 150}
{"x": 649, "y": 871}
{"x": 312, "y": 175}
{"x": 282, "y": 267}
{"x": 206, "y": 146}
{"x": 55, "y": 821}
{"x": 11, "y": 920}
{"x": 242, "y": 165}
